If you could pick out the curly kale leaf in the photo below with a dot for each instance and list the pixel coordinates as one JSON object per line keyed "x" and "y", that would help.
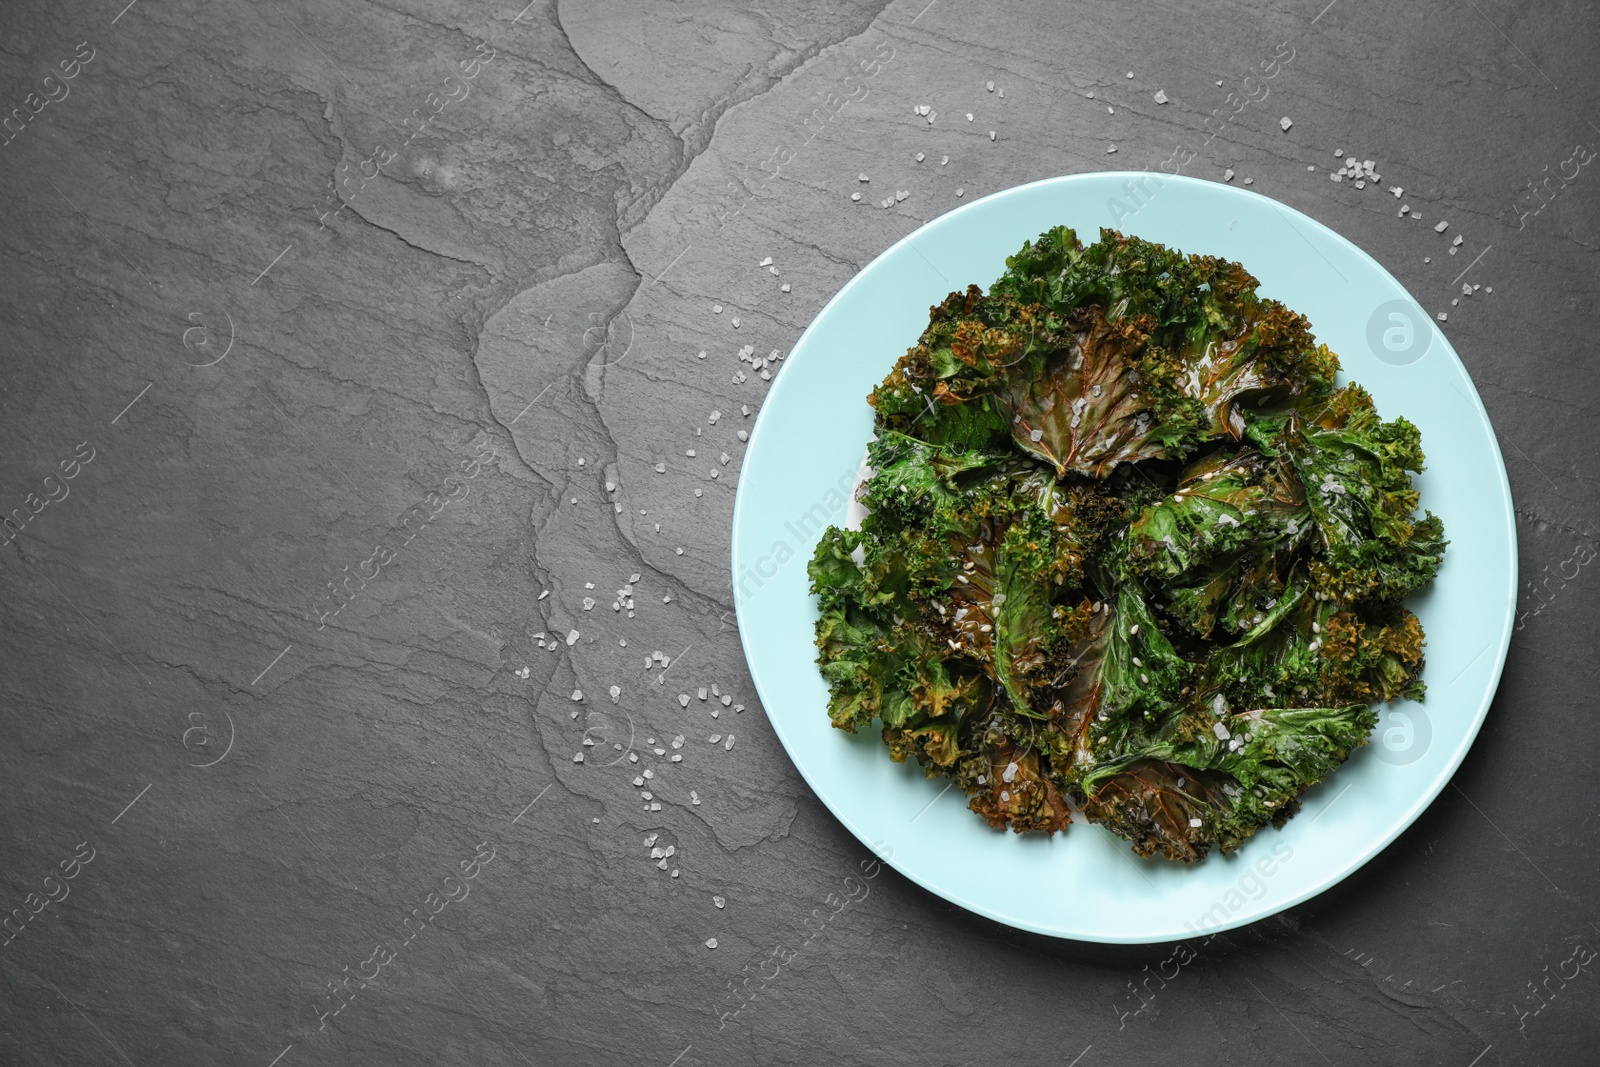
{"x": 1219, "y": 782}
{"x": 1102, "y": 400}
{"x": 1355, "y": 468}
{"x": 1210, "y": 336}
{"x": 942, "y": 390}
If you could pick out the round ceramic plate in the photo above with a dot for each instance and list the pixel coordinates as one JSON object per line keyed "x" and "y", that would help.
{"x": 800, "y": 468}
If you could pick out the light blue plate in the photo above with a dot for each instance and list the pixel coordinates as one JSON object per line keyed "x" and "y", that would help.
{"x": 1086, "y": 884}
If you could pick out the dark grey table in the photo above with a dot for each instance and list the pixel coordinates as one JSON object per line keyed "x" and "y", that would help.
{"x": 375, "y": 337}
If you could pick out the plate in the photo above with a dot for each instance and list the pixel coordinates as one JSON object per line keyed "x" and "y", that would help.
{"x": 800, "y": 468}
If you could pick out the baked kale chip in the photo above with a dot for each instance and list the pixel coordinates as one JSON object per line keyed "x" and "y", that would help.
{"x": 1127, "y": 551}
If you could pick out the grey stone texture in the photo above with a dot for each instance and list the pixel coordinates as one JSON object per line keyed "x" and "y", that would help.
{"x": 377, "y": 321}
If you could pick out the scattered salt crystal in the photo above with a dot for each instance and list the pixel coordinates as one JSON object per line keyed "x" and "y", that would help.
{"x": 577, "y": 757}
{"x": 1442, "y": 317}
{"x": 944, "y": 160}
{"x": 1194, "y": 822}
{"x": 784, "y": 288}
{"x": 855, "y": 196}
{"x": 969, "y": 116}
{"x": 683, "y": 700}
{"x": 716, "y": 309}
{"x": 719, "y": 902}
{"x": 727, "y": 746}
{"x": 711, "y": 942}
{"x": 1130, "y": 74}
{"x": 989, "y": 86}
{"x": 960, "y": 192}
{"x": 1111, "y": 149}
{"x": 694, "y": 798}
{"x": 1458, "y": 239}
{"x": 991, "y": 135}
{"x": 863, "y": 177}
{"x": 726, "y": 700}
{"x": 1161, "y": 96}
{"x": 920, "y": 157}
{"x": 1284, "y": 123}
{"x": 1227, "y": 175}
{"x": 765, "y": 262}
{"x": 616, "y": 693}
{"x": 1440, "y": 227}
{"x": 714, "y": 738}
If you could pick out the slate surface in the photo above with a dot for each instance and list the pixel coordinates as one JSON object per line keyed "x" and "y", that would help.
{"x": 360, "y": 326}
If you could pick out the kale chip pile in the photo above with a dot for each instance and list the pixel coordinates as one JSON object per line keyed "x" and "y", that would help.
{"x": 1127, "y": 546}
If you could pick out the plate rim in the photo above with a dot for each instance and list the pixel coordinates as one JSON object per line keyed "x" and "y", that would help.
{"x": 1379, "y": 842}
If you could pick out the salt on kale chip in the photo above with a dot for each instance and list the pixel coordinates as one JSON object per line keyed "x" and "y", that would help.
{"x": 1127, "y": 551}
